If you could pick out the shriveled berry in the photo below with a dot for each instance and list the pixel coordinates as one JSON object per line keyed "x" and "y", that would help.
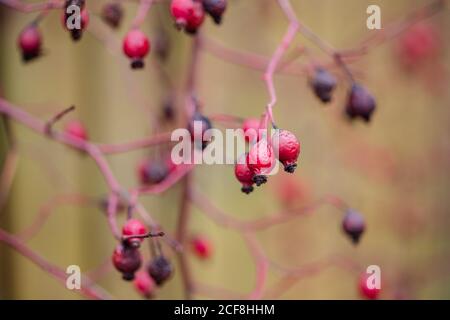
{"x": 261, "y": 160}
{"x": 252, "y": 133}
{"x": 201, "y": 246}
{"x": 287, "y": 149}
{"x": 127, "y": 260}
{"x": 136, "y": 46}
{"x": 353, "y": 225}
{"x": 215, "y": 8}
{"x": 152, "y": 172}
{"x": 198, "y": 128}
{"x": 30, "y": 42}
{"x": 76, "y": 129}
{"x": 360, "y": 103}
{"x": 144, "y": 284}
{"x": 367, "y": 291}
{"x": 133, "y": 227}
{"x": 188, "y": 14}
{"x": 160, "y": 269}
{"x": 244, "y": 174}
{"x": 112, "y": 14}
{"x": 323, "y": 84}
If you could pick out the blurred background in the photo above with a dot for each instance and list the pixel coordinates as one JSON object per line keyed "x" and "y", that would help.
{"x": 394, "y": 170}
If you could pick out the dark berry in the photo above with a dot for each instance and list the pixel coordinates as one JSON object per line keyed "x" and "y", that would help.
{"x": 136, "y": 46}
{"x": 127, "y": 260}
{"x": 160, "y": 269}
{"x": 287, "y": 149}
{"x": 215, "y": 8}
{"x": 152, "y": 172}
{"x": 199, "y": 127}
{"x": 360, "y": 103}
{"x": 244, "y": 174}
{"x": 112, "y": 14}
{"x": 30, "y": 42}
{"x": 353, "y": 225}
{"x": 323, "y": 84}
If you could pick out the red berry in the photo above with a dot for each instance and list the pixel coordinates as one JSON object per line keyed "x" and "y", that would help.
{"x": 201, "y": 247}
{"x": 76, "y": 34}
{"x": 188, "y": 14}
{"x": 323, "y": 84}
{"x": 144, "y": 284}
{"x": 30, "y": 42}
{"x": 76, "y": 129}
{"x": 287, "y": 149}
{"x": 127, "y": 260}
{"x": 360, "y": 103}
{"x": 366, "y": 291}
{"x": 215, "y": 8}
{"x": 136, "y": 46}
{"x": 261, "y": 160}
{"x": 134, "y": 227}
{"x": 244, "y": 174}
{"x": 252, "y": 133}
{"x": 112, "y": 14}
{"x": 152, "y": 172}
{"x": 353, "y": 225}
{"x": 160, "y": 269}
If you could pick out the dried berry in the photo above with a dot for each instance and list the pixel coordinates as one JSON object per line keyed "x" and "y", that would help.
{"x": 353, "y": 225}
{"x": 287, "y": 149}
{"x": 160, "y": 269}
{"x": 199, "y": 127}
{"x": 127, "y": 260}
{"x": 360, "y": 103}
{"x": 152, "y": 172}
{"x": 112, "y": 14}
{"x": 323, "y": 84}
{"x": 244, "y": 174}
{"x": 261, "y": 160}
{"x": 215, "y": 8}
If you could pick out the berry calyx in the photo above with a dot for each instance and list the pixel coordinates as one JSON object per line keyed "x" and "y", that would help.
{"x": 244, "y": 174}
{"x": 201, "y": 246}
{"x": 252, "y": 133}
{"x": 152, "y": 172}
{"x": 112, "y": 14}
{"x": 160, "y": 269}
{"x": 199, "y": 127}
{"x": 287, "y": 149}
{"x": 261, "y": 160}
{"x": 215, "y": 8}
{"x": 144, "y": 284}
{"x": 127, "y": 260}
{"x": 323, "y": 84}
{"x": 136, "y": 46}
{"x": 188, "y": 14}
{"x": 366, "y": 289}
{"x": 134, "y": 227}
{"x": 360, "y": 103}
{"x": 353, "y": 225}
{"x": 76, "y": 129}
{"x": 30, "y": 41}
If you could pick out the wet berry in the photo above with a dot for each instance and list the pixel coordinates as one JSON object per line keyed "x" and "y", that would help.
{"x": 144, "y": 284}
{"x": 215, "y": 8}
{"x": 152, "y": 172}
{"x": 201, "y": 246}
{"x": 134, "y": 227}
{"x": 188, "y": 14}
{"x": 323, "y": 84}
{"x": 287, "y": 149}
{"x": 261, "y": 160}
{"x": 198, "y": 129}
{"x": 76, "y": 129}
{"x": 112, "y": 14}
{"x": 30, "y": 42}
{"x": 366, "y": 291}
{"x": 127, "y": 260}
{"x": 244, "y": 174}
{"x": 353, "y": 225}
{"x": 360, "y": 103}
{"x": 136, "y": 46}
{"x": 160, "y": 269}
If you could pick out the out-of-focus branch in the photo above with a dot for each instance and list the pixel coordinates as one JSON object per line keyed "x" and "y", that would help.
{"x": 32, "y": 7}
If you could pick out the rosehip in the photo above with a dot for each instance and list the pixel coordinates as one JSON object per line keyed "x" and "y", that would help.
{"x": 76, "y": 129}
{"x": 127, "y": 260}
{"x": 188, "y": 14}
{"x": 366, "y": 291}
{"x": 261, "y": 160}
{"x": 323, "y": 84}
{"x": 160, "y": 269}
{"x": 360, "y": 103}
{"x": 144, "y": 284}
{"x": 112, "y": 14}
{"x": 136, "y": 46}
{"x": 198, "y": 128}
{"x": 353, "y": 225}
{"x": 287, "y": 149}
{"x": 201, "y": 247}
{"x": 30, "y": 42}
{"x": 134, "y": 227}
{"x": 252, "y": 133}
{"x": 152, "y": 172}
{"x": 244, "y": 174}
{"x": 76, "y": 33}
{"x": 215, "y": 8}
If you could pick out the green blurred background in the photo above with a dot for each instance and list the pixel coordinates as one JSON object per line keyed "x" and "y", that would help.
{"x": 394, "y": 170}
